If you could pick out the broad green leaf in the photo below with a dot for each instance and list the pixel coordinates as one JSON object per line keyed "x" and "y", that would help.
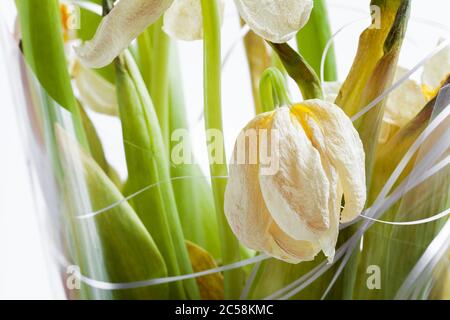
{"x": 112, "y": 246}
{"x": 148, "y": 166}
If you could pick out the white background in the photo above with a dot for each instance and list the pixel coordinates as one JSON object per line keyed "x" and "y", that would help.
{"x": 23, "y": 267}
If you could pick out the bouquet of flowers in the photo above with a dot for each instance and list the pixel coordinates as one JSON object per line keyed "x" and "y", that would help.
{"x": 343, "y": 193}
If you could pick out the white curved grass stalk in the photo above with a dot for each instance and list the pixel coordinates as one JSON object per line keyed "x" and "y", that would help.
{"x": 424, "y": 267}
{"x": 152, "y": 282}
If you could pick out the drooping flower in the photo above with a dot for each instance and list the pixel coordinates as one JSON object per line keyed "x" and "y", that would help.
{"x": 275, "y": 20}
{"x": 182, "y": 19}
{"x": 124, "y": 23}
{"x": 294, "y": 212}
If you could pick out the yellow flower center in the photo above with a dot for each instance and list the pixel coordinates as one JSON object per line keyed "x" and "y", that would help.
{"x": 428, "y": 92}
{"x": 301, "y": 114}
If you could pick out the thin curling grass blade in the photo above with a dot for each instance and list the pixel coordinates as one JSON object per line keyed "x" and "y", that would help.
{"x": 147, "y": 164}
{"x": 406, "y": 244}
{"x": 274, "y": 275}
{"x": 371, "y": 74}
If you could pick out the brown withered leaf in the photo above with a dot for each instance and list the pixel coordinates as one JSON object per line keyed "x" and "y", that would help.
{"x": 211, "y": 287}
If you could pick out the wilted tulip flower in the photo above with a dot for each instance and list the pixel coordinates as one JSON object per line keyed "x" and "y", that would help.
{"x": 124, "y": 23}
{"x": 275, "y": 20}
{"x": 182, "y": 19}
{"x": 294, "y": 212}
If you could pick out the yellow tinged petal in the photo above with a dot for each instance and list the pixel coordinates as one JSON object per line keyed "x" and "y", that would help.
{"x": 297, "y": 194}
{"x": 211, "y": 286}
{"x": 244, "y": 205}
{"x": 94, "y": 91}
{"x": 328, "y": 238}
{"x": 345, "y": 151}
{"x": 184, "y": 20}
{"x": 275, "y": 20}
{"x": 124, "y": 23}
{"x": 437, "y": 68}
{"x": 248, "y": 215}
{"x": 405, "y": 102}
{"x": 331, "y": 90}
{"x": 283, "y": 247}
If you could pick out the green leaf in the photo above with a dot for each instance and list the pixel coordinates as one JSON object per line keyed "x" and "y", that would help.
{"x": 112, "y": 246}
{"x": 148, "y": 166}
{"x": 43, "y": 47}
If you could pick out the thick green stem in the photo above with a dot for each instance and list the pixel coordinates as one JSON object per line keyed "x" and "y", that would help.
{"x": 144, "y": 46}
{"x": 159, "y": 83}
{"x": 298, "y": 69}
{"x": 213, "y": 120}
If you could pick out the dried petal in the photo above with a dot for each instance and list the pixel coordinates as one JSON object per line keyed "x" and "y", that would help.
{"x": 331, "y": 90}
{"x": 405, "y": 102}
{"x": 345, "y": 151}
{"x": 294, "y": 212}
{"x": 275, "y": 20}
{"x": 283, "y": 247}
{"x": 248, "y": 215}
{"x": 297, "y": 194}
{"x": 437, "y": 68}
{"x": 184, "y": 20}
{"x": 329, "y": 238}
{"x": 211, "y": 286}
{"x": 244, "y": 205}
{"x": 124, "y": 23}
{"x": 94, "y": 91}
